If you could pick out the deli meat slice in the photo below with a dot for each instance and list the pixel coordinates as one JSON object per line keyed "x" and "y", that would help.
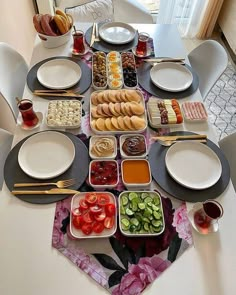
{"x": 194, "y": 111}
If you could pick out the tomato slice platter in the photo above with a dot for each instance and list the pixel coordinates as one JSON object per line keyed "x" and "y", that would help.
{"x": 93, "y": 215}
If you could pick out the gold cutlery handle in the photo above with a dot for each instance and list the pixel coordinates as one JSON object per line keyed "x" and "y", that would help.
{"x": 29, "y": 192}
{"x": 191, "y": 136}
{"x": 32, "y": 184}
{"x": 58, "y": 94}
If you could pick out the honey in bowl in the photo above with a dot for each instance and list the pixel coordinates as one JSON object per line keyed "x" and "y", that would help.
{"x": 136, "y": 171}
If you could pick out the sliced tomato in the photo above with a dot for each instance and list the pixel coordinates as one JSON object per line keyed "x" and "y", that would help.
{"x": 87, "y": 228}
{"x": 109, "y": 222}
{"x": 83, "y": 205}
{"x": 87, "y": 217}
{"x": 103, "y": 199}
{"x": 91, "y": 198}
{"x": 110, "y": 209}
{"x": 76, "y": 212}
{"x": 98, "y": 227}
{"x": 100, "y": 217}
{"x": 95, "y": 209}
{"x": 78, "y": 221}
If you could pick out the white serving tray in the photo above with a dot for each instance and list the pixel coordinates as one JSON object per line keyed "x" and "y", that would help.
{"x": 144, "y": 116}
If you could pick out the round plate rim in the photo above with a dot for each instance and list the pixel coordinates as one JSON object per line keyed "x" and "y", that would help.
{"x": 43, "y": 134}
{"x": 116, "y": 24}
{"x": 202, "y": 146}
{"x": 161, "y": 65}
{"x": 67, "y": 61}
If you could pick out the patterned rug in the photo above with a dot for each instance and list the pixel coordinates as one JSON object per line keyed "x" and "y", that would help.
{"x": 221, "y": 103}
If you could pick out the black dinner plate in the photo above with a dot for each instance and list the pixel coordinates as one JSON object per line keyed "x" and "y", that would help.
{"x": 160, "y": 174}
{"x": 83, "y": 84}
{"x": 145, "y": 81}
{"x": 78, "y": 170}
{"x": 107, "y": 47}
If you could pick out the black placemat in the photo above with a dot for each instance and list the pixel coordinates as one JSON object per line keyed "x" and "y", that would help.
{"x": 78, "y": 170}
{"x": 84, "y": 83}
{"x": 107, "y": 47}
{"x": 145, "y": 81}
{"x": 160, "y": 174}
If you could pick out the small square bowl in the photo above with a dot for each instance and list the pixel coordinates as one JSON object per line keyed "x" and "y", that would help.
{"x": 141, "y": 213}
{"x": 75, "y": 211}
{"x": 94, "y": 140}
{"x": 103, "y": 169}
{"x": 127, "y": 156}
{"x": 136, "y": 174}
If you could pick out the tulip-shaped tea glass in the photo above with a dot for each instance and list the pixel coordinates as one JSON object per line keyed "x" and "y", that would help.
{"x": 29, "y": 116}
{"x": 79, "y": 45}
{"x": 142, "y": 47}
{"x": 206, "y": 216}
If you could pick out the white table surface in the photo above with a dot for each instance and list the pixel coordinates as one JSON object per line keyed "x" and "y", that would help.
{"x": 29, "y": 265}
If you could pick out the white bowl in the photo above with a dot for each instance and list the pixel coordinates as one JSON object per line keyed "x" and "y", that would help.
{"x": 136, "y": 186}
{"x": 101, "y": 186}
{"x": 77, "y": 233}
{"x": 55, "y": 41}
{"x": 93, "y": 140}
{"x": 122, "y": 140}
{"x": 151, "y": 194}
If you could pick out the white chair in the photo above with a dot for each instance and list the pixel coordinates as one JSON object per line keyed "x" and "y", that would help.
{"x": 130, "y": 11}
{"x": 209, "y": 60}
{"x": 13, "y": 71}
{"x": 228, "y": 146}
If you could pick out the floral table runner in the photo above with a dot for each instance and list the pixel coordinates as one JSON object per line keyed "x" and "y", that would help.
{"x": 123, "y": 265}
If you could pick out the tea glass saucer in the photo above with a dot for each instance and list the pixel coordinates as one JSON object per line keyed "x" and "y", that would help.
{"x": 212, "y": 229}
{"x": 149, "y": 52}
{"x": 23, "y": 126}
{"x": 86, "y": 50}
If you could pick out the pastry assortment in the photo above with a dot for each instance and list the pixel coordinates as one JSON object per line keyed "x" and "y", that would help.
{"x": 117, "y": 110}
{"x": 102, "y": 147}
{"x": 129, "y": 70}
{"x": 194, "y": 111}
{"x": 164, "y": 112}
{"x": 99, "y": 70}
{"x": 64, "y": 113}
{"x": 56, "y": 25}
{"x": 115, "y": 78}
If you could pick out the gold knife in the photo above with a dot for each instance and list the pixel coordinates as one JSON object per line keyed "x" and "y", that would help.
{"x": 176, "y": 137}
{"x": 53, "y": 191}
{"x": 93, "y": 35}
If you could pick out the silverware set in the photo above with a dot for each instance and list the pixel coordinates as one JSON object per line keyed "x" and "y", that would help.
{"x": 169, "y": 140}
{"x": 73, "y": 93}
{"x": 163, "y": 60}
{"x": 61, "y": 188}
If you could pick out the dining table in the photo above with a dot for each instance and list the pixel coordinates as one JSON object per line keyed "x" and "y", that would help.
{"x": 29, "y": 265}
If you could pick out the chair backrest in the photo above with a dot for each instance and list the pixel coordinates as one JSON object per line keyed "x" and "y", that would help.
{"x": 228, "y": 146}
{"x": 209, "y": 60}
{"x": 13, "y": 72}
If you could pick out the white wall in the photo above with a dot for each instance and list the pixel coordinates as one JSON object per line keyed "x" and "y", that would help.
{"x": 16, "y": 25}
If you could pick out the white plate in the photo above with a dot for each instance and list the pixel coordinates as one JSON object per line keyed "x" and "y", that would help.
{"x": 59, "y": 74}
{"x": 117, "y": 33}
{"x": 46, "y": 155}
{"x": 193, "y": 165}
{"x": 171, "y": 76}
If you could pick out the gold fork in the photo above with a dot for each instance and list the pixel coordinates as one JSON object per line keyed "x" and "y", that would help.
{"x": 59, "y": 184}
{"x": 74, "y": 90}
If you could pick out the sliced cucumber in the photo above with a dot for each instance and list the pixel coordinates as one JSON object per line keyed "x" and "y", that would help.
{"x": 124, "y": 200}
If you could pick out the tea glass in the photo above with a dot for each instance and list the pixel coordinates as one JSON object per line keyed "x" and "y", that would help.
{"x": 29, "y": 116}
{"x": 142, "y": 46}
{"x": 79, "y": 43}
{"x": 206, "y": 216}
